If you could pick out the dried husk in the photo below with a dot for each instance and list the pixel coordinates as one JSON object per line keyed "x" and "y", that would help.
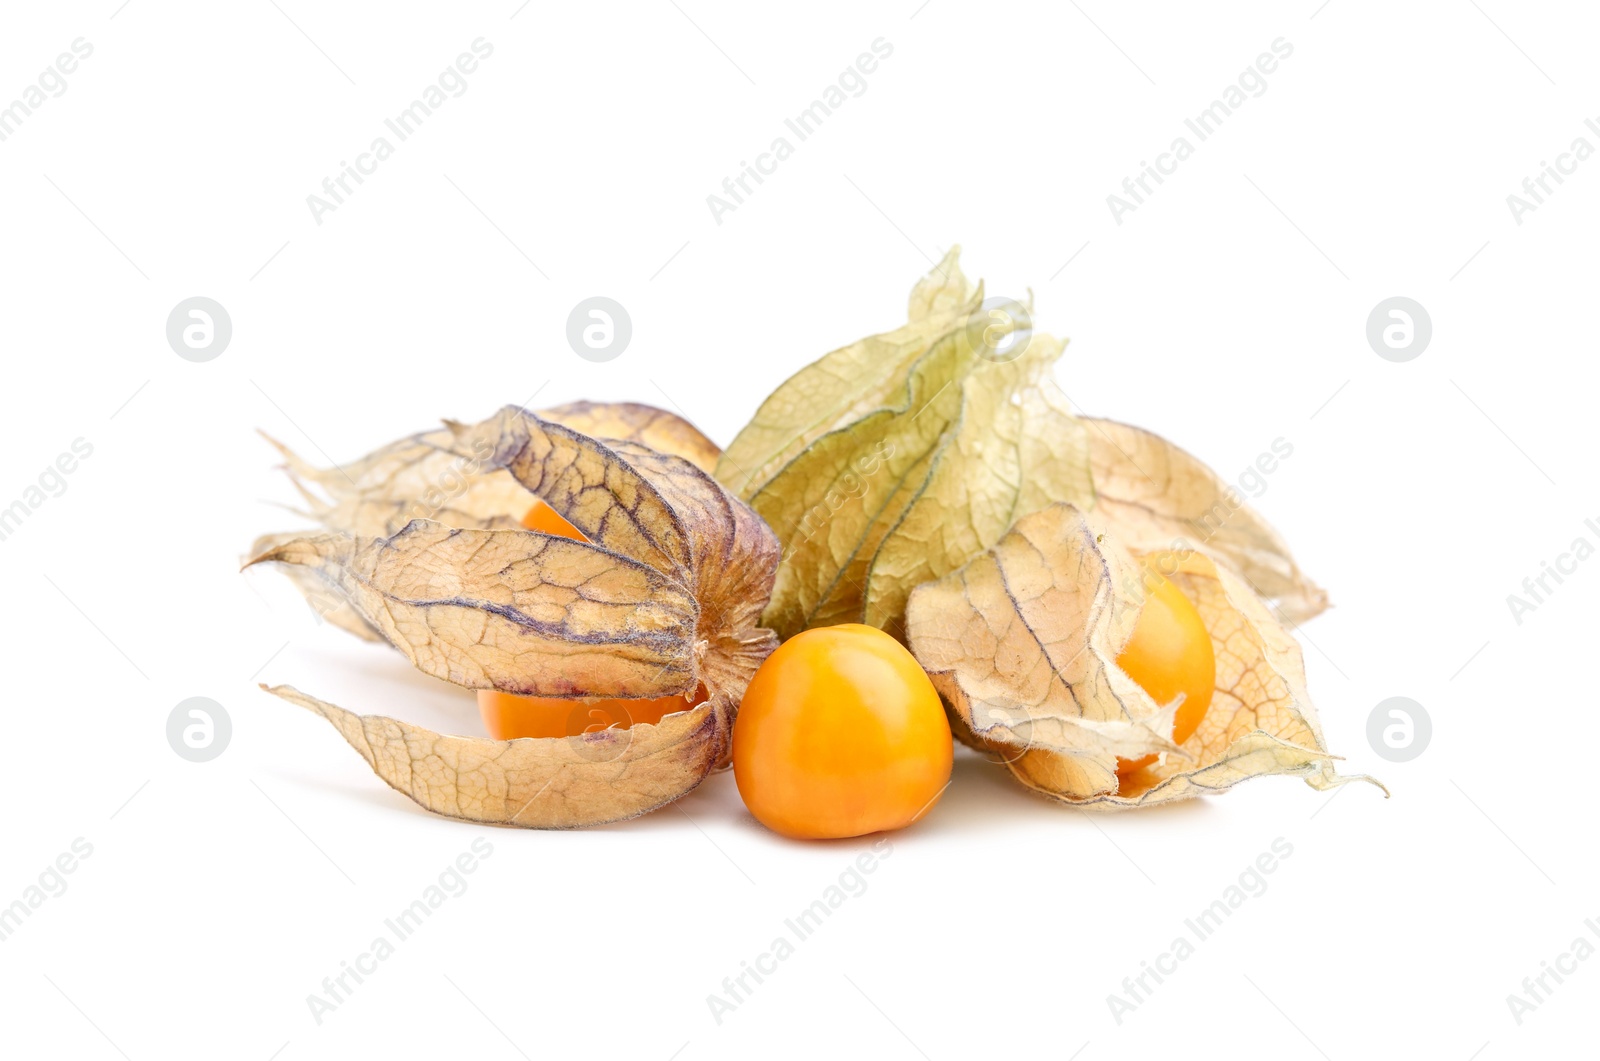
{"x": 1156, "y": 496}
{"x": 663, "y": 599}
{"x": 923, "y": 485}
{"x": 1022, "y": 642}
{"x": 434, "y": 475}
{"x": 658, "y": 429}
{"x": 897, "y": 458}
{"x": 540, "y": 783}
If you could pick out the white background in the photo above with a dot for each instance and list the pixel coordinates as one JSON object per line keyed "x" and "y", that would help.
{"x": 1225, "y": 312}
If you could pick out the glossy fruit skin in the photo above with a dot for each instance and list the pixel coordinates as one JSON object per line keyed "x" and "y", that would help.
{"x": 1170, "y": 653}
{"x": 507, "y": 716}
{"x": 840, "y": 734}
{"x": 541, "y": 517}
